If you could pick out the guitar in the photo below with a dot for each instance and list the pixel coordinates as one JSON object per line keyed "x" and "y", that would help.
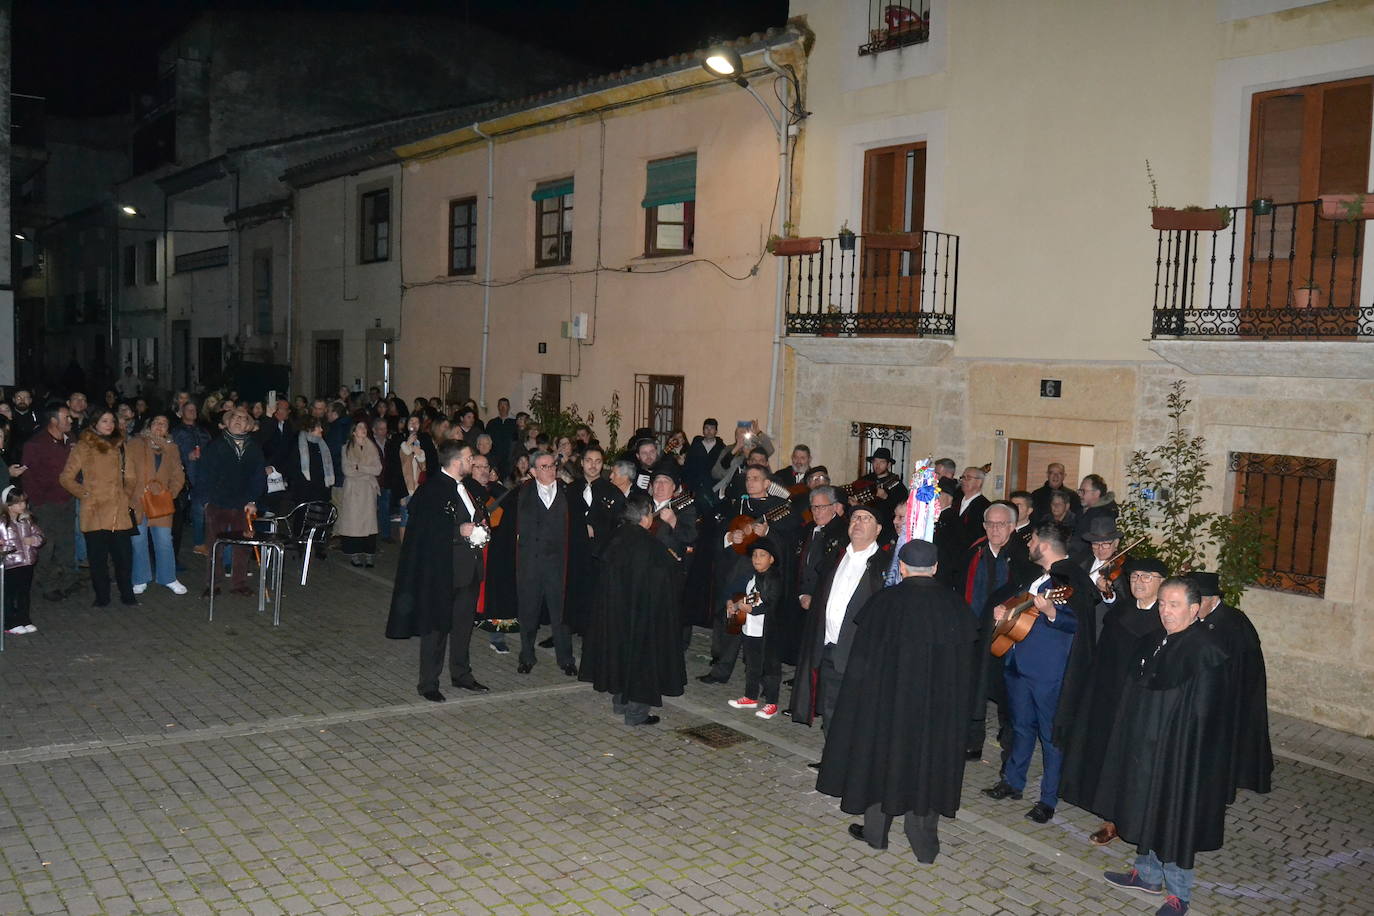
{"x": 676, "y": 504}
{"x": 1020, "y": 617}
{"x": 745, "y": 525}
{"x": 858, "y": 496}
{"x": 734, "y": 620}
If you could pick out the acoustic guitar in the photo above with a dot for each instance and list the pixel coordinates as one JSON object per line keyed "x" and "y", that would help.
{"x": 1021, "y": 616}
{"x": 676, "y": 504}
{"x": 745, "y": 525}
{"x": 734, "y": 620}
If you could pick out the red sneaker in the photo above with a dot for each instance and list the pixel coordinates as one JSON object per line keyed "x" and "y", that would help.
{"x": 745, "y": 703}
{"x": 767, "y": 711}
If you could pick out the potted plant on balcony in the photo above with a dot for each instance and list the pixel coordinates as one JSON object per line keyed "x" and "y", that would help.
{"x": 1307, "y": 295}
{"x": 830, "y": 327}
{"x": 788, "y": 245}
{"x": 1348, "y": 207}
{"x": 846, "y": 237}
{"x": 1184, "y": 219}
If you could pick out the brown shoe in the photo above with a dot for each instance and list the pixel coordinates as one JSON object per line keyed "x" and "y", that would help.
{"x": 200, "y": 549}
{"x": 1104, "y": 835}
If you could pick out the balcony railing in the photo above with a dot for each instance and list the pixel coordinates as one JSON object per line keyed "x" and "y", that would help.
{"x": 202, "y": 260}
{"x": 872, "y": 291}
{"x": 896, "y": 24}
{"x": 1288, "y": 273}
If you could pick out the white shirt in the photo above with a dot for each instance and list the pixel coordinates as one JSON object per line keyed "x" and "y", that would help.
{"x": 1092, "y": 574}
{"x": 753, "y": 624}
{"x": 847, "y": 577}
{"x": 1035, "y": 586}
{"x": 966, "y": 502}
{"x": 465, "y": 497}
{"x": 547, "y": 494}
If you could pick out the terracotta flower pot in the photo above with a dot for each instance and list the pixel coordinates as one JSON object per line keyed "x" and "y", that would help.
{"x": 1347, "y": 206}
{"x": 791, "y": 248}
{"x": 1169, "y": 219}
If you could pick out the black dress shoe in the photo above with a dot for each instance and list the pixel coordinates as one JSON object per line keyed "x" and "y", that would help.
{"x": 523, "y": 668}
{"x": 1001, "y": 791}
{"x": 710, "y": 679}
{"x": 973, "y": 754}
{"x": 1041, "y": 813}
{"x": 815, "y": 766}
{"x": 857, "y": 832}
{"x": 472, "y": 684}
{"x": 546, "y": 643}
{"x": 433, "y": 696}
{"x": 570, "y": 670}
{"x": 99, "y": 603}
{"x": 649, "y": 720}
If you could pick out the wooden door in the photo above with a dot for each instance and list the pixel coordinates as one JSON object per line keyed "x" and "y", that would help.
{"x": 1304, "y": 142}
{"x": 894, "y": 201}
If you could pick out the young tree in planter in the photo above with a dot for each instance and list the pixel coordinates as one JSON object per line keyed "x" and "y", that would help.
{"x": 1164, "y": 488}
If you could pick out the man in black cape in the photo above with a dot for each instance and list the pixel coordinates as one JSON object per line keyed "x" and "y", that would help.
{"x": 1166, "y": 775}
{"x": 897, "y": 745}
{"x": 1252, "y": 760}
{"x": 633, "y": 644}
{"x": 440, "y": 572}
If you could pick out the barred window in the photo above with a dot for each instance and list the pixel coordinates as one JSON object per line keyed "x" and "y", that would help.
{"x": 1300, "y": 493}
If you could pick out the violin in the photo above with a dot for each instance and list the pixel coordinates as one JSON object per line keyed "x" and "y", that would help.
{"x": 1110, "y": 571}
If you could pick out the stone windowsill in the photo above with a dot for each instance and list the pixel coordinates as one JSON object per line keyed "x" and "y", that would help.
{"x": 872, "y": 351}
{"x": 1272, "y": 358}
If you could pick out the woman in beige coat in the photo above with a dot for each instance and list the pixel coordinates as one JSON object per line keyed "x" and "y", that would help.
{"x": 156, "y": 462}
{"x": 106, "y": 491}
{"x": 357, "y": 525}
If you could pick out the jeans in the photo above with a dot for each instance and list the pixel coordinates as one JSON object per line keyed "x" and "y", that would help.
{"x": 161, "y": 542}
{"x": 384, "y": 513}
{"x": 197, "y": 521}
{"x": 634, "y": 713}
{"x": 1178, "y": 881}
{"x": 80, "y": 556}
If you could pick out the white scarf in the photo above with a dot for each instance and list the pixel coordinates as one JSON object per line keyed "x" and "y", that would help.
{"x": 325, "y": 459}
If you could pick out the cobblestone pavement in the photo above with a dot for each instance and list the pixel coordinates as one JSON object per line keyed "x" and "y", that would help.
{"x": 154, "y": 762}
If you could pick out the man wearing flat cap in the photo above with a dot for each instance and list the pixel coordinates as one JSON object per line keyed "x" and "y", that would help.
{"x": 1252, "y": 762}
{"x": 897, "y": 744}
{"x": 1124, "y": 625}
{"x": 889, "y": 491}
{"x": 842, "y": 589}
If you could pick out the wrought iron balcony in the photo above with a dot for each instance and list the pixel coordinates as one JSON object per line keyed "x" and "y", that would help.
{"x": 901, "y": 285}
{"x": 896, "y": 24}
{"x": 1288, "y": 273}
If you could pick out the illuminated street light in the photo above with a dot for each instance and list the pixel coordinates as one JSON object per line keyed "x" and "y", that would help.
{"x": 20, "y": 237}
{"x": 130, "y": 210}
{"x": 723, "y": 60}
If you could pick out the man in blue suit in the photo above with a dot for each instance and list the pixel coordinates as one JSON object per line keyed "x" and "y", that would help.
{"x": 1046, "y": 671}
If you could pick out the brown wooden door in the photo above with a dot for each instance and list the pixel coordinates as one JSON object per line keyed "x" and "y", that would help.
{"x": 1304, "y": 142}
{"x": 894, "y": 201}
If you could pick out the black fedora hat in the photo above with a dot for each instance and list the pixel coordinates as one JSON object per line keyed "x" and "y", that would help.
{"x": 1103, "y": 528}
{"x": 884, "y": 453}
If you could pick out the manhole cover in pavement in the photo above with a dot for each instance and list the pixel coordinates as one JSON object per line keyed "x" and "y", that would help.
{"x": 713, "y": 735}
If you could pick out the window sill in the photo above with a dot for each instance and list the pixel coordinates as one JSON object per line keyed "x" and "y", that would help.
{"x": 647, "y": 259}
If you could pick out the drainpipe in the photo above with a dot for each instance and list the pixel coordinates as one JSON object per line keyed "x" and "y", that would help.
{"x": 784, "y": 215}
{"x": 486, "y": 268}
{"x": 290, "y": 292}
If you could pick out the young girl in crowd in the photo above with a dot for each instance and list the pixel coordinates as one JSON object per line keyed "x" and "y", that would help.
{"x": 20, "y": 539}
{"x": 759, "y": 591}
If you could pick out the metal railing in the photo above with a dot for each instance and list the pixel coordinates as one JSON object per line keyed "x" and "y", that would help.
{"x": 202, "y": 260}
{"x": 896, "y": 25}
{"x": 1285, "y": 272}
{"x": 862, "y": 290}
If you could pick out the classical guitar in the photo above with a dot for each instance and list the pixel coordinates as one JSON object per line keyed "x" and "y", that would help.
{"x": 734, "y": 620}
{"x": 676, "y": 504}
{"x": 1020, "y": 617}
{"x": 745, "y": 525}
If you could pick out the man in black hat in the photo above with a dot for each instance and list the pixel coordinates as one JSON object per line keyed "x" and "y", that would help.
{"x": 1252, "y": 762}
{"x": 897, "y": 744}
{"x": 1124, "y": 625}
{"x": 888, "y": 490}
{"x": 1104, "y": 540}
{"x": 677, "y": 529}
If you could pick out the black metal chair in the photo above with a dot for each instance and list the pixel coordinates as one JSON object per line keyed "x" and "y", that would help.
{"x": 305, "y": 528}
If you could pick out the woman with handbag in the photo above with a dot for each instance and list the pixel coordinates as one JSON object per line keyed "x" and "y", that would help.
{"x": 158, "y": 479}
{"x": 106, "y": 491}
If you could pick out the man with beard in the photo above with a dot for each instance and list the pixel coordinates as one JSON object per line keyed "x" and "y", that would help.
{"x": 1124, "y": 625}
{"x": 796, "y": 472}
{"x": 597, "y": 506}
{"x": 888, "y": 490}
{"x": 756, "y": 504}
{"x": 702, "y": 455}
{"x": 26, "y": 421}
{"x": 1166, "y": 773}
{"x": 439, "y": 574}
{"x": 1045, "y": 671}
{"x": 544, "y": 519}
{"x": 828, "y": 634}
{"x": 897, "y": 746}
{"x": 632, "y": 648}
{"x": 1252, "y": 760}
{"x": 1054, "y": 483}
{"x": 646, "y": 457}
{"x": 993, "y": 562}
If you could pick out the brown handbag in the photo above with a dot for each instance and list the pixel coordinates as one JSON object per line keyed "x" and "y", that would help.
{"x": 157, "y": 504}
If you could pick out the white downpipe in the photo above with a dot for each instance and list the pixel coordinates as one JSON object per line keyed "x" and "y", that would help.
{"x": 784, "y": 211}
{"x": 486, "y": 268}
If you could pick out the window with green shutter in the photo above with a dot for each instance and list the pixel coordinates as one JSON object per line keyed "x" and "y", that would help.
{"x": 670, "y": 193}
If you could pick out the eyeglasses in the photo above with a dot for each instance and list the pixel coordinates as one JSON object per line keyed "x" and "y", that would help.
{"x": 815, "y": 506}
{"x": 1145, "y": 577}
{"x": 997, "y": 524}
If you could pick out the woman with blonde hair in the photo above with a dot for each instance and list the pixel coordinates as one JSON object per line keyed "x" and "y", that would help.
{"x": 357, "y": 524}
{"x": 156, "y": 463}
{"x": 106, "y": 491}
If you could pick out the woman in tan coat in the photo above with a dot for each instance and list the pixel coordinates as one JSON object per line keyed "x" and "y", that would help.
{"x": 357, "y": 525}
{"x": 156, "y": 462}
{"x": 106, "y": 491}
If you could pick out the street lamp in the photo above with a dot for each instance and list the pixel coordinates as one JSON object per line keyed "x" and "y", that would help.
{"x": 723, "y": 60}
{"x": 130, "y": 210}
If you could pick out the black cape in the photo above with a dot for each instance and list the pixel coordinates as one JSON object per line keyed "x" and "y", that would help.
{"x": 633, "y": 641}
{"x": 1166, "y": 773}
{"x": 902, "y": 713}
{"x": 1252, "y": 759}
{"x": 1117, "y": 657}
{"x": 422, "y": 598}
{"x": 1074, "y": 688}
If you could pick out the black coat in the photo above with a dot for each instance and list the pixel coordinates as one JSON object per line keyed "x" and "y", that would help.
{"x": 884, "y": 508}
{"x": 1166, "y": 773}
{"x": 633, "y": 642}
{"x": 1076, "y": 680}
{"x": 1252, "y": 761}
{"x": 499, "y": 600}
{"x": 1040, "y": 502}
{"x": 971, "y": 519}
{"x": 1123, "y": 628}
{"x": 430, "y": 569}
{"x": 902, "y": 712}
{"x": 803, "y": 702}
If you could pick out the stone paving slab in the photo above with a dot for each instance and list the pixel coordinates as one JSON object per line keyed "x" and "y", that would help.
{"x": 153, "y": 762}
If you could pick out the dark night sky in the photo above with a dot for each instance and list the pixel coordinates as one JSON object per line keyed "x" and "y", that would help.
{"x": 87, "y": 57}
